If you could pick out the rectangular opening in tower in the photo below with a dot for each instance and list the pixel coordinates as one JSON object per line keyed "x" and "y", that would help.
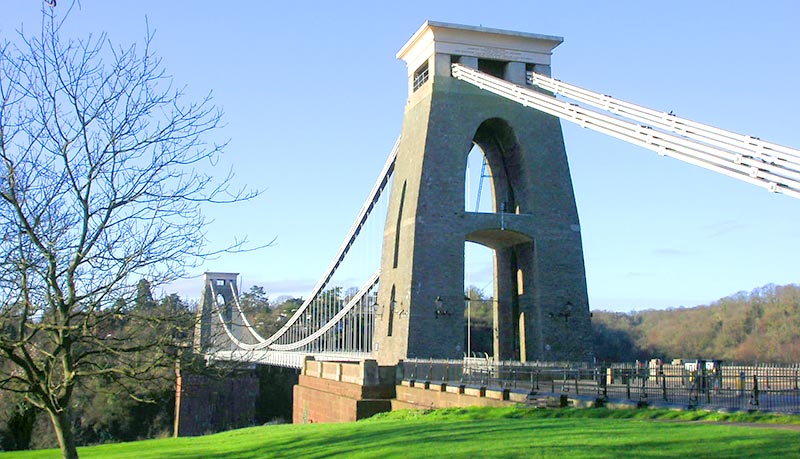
{"x": 529, "y": 69}
{"x": 492, "y": 67}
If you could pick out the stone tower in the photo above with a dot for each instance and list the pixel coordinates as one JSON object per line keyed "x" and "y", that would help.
{"x": 218, "y": 289}
{"x": 541, "y": 310}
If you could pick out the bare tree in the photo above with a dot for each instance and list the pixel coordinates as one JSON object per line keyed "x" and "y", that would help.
{"x": 100, "y": 187}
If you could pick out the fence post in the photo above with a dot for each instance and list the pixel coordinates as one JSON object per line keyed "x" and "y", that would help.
{"x": 742, "y": 383}
{"x": 531, "y": 381}
{"x": 754, "y": 397}
{"x": 643, "y": 388}
{"x": 597, "y": 382}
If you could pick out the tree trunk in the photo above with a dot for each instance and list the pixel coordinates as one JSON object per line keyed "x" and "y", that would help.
{"x": 63, "y": 429}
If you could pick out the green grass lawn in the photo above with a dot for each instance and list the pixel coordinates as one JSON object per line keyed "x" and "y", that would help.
{"x": 483, "y": 432}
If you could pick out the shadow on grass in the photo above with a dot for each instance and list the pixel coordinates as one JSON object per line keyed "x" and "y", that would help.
{"x": 543, "y": 438}
{"x": 469, "y": 433}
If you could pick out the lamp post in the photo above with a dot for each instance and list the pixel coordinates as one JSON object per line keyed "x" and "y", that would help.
{"x": 440, "y": 310}
{"x": 469, "y": 325}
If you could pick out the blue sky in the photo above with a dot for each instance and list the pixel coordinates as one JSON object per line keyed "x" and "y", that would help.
{"x": 314, "y": 97}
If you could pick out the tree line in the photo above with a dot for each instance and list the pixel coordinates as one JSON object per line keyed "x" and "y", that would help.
{"x": 757, "y": 326}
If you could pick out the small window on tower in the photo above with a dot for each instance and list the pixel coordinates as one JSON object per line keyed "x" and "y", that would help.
{"x": 421, "y": 76}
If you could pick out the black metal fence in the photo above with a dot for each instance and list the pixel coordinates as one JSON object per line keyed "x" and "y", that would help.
{"x": 700, "y": 385}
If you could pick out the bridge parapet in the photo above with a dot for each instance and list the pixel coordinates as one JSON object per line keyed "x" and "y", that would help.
{"x": 330, "y": 391}
{"x": 364, "y": 372}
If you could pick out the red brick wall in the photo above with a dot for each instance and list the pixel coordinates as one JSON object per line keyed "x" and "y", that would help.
{"x": 211, "y": 404}
{"x": 324, "y": 400}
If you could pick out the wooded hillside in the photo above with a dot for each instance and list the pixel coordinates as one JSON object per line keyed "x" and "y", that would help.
{"x": 763, "y": 326}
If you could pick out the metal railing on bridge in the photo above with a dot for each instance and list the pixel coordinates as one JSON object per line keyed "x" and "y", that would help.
{"x": 732, "y": 387}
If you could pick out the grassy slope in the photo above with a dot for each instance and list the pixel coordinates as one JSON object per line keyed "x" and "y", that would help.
{"x": 479, "y": 432}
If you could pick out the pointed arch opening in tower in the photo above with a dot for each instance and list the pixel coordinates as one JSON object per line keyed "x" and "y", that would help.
{"x": 478, "y": 184}
{"x": 399, "y": 226}
{"x": 227, "y": 312}
{"x": 392, "y": 307}
{"x": 501, "y": 151}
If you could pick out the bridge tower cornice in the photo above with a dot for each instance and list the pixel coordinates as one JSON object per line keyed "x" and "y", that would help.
{"x": 439, "y": 44}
